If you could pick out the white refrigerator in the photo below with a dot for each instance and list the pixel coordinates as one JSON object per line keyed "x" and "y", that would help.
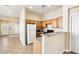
{"x": 31, "y": 33}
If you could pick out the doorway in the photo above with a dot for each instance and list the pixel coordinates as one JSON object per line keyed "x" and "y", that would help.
{"x": 74, "y": 29}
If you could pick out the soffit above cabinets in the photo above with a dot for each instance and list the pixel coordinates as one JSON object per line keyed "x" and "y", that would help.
{"x": 43, "y": 9}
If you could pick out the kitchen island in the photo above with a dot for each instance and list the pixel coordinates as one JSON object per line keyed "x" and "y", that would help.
{"x": 53, "y": 43}
{"x": 50, "y": 43}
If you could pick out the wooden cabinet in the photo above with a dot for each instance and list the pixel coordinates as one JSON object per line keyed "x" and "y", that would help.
{"x": 27, "y": 21}
{"x": 59, "y": 22}
{"x": 39, "y": 25}
{"x": 30, "y": 21}
{"x": 43, "y": 24}
{"x": 54, "y": 22}
{"x": 48, "y": 21}
{"x": 33, "y": 21}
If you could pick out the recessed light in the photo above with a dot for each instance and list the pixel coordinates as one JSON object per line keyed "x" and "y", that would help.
{"x": 48, "y": 5}
{"x": 9, "y": 12}
{"x": 40, "y": 10}
{"x": 43, "y": 5}
{"x": 30, "y": 7}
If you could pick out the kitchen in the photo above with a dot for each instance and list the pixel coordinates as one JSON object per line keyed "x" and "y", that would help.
{"x": 44, "y": 24}
{"x": 36, "y": 29}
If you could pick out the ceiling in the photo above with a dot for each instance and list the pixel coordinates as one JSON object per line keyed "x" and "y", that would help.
{"x": 43, "y": 8}
{"x": 14, "y": 10}
{"x": 10, "y": 10}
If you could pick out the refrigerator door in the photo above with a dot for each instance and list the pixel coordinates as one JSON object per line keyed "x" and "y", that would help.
{"x": 31, "y": 33}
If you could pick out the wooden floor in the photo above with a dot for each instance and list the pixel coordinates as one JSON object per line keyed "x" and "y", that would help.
{"x": 12, "y": 45}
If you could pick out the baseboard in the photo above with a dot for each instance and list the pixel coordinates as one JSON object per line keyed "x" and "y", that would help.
{"x": 61, "y": 52}
{"x": 64, "y": 50}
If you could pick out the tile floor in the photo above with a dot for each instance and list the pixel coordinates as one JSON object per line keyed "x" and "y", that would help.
{"x": 12, "y": 45}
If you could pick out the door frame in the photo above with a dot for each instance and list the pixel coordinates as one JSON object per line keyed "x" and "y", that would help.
{"x": 70, "y": 26}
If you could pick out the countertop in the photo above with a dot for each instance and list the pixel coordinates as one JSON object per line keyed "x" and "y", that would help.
{"x": 47, "y": 35}
{"x": 51, "y": 34}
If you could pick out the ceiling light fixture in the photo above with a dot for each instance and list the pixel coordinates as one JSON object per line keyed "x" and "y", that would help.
{"x": 43, "y": 5}
{"x": 40, "y": 10}
{"x": 9, "y": 12}
{"x": 30, "y": 7}
{"x": 48, "y": 5}
{"x": 8, "y": 9}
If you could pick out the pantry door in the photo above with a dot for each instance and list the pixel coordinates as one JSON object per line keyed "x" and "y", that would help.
{"x": 74, "y": 29}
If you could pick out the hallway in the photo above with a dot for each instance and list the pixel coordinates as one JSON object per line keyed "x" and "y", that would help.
{"x": 12, "y": 45}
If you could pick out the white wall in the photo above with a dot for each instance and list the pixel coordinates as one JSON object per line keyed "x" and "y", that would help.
{"x": 53, "y": 14}
{"x": 65, "y": 16}
{"x": 22, "y": 25}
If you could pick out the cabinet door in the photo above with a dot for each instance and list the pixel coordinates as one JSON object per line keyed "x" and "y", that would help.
{"x": 43, "y": 24}
{"x": 36, "y": 24}
{"x": 54, "y": 22}
{"x": 59, "y": 22}
{"x": 48, "y": 21}
{"x": 32, "y": 21}
{"x": 40, "y": 24}
{"x": 27, "y": 21}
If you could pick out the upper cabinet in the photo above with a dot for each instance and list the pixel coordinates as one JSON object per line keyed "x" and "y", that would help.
{"x": 54, "y": 24}
{"x": 30, "y": 21}
{"x": 43, "y": 24}
{"x": 39, "y": 25}
{"x": 48, "y": 21}
{"x": 59, "y": 21}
